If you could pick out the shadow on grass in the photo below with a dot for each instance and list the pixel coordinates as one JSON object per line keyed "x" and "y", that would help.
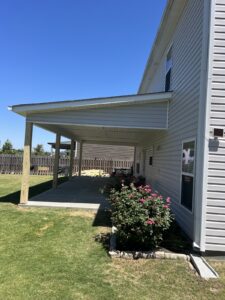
{"x": 102, "y": 218}
{"x": 34, "y": 190}
{"x": 175, "y": 240}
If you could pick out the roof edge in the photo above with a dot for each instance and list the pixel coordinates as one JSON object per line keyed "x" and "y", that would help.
{"x": 25, "y": 109}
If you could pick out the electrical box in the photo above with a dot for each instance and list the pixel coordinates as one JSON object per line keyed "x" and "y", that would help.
{"x": 218, "y": 132}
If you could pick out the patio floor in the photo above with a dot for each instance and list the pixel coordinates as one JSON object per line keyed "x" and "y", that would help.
{"x": 80, "y": 192}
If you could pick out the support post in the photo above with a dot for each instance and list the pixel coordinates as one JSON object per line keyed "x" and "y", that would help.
{"x": 26, "y": 163}
{"x": 71, "y": 159}
{"x": 56, "y": 161}
{"x": 80, "y": 158}
{"x": 134, "y": 161}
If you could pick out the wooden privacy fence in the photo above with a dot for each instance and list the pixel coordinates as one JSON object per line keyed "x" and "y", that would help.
{"x": 43, "y": 165}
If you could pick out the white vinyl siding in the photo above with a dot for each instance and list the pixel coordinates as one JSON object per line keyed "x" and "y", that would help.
{"x": 215, "y": 218}
{"x": 149, "y": 152}
{"x": 135, "y": 116}
{"x": 157, "y": 83}
{"x": 109, "y": 152}
{"x": 183, "y": 109}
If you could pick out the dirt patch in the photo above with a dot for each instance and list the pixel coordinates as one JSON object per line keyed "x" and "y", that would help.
{"x": 82, "y": 213}
{"x": 124, "y": 270}
{"x": 41, "y": 231}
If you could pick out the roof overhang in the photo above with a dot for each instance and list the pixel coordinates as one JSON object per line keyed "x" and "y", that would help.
{"x": 27, "y": 109}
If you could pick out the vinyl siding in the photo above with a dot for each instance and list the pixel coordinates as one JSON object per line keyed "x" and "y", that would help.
{"x": 109, "y": 152}
{"x": 157, "y": 84}
{"x": 215, "y": 218}
{"x": 165, "y": 175}
{"x": 143, "y": 116}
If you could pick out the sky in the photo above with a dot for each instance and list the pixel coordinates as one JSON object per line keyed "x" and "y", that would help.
{"x": 54, "y": 50}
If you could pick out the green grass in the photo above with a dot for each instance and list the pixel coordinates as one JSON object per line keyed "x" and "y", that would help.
{"x": 52, "y": 254}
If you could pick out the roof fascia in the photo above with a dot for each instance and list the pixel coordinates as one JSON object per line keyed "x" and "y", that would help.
{"x": 28, "y": 109}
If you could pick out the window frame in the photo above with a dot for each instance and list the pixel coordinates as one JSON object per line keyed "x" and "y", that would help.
{"x": 168, "y": 70}
{"x": 188, "y": 174}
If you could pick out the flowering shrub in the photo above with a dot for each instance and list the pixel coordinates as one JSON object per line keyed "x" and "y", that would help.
{"x": 141, "y": 217}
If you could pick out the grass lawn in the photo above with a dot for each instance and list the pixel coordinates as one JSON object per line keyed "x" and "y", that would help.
{"x": 52, "y": 254}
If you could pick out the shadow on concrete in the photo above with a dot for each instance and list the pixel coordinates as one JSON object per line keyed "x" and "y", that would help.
{"x": 80, "y": 192}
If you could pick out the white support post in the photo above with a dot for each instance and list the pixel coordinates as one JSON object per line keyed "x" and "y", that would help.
{"x": 71, "y": 159}
{"x": 56, "y": 162}
{"x": 26, "y": 163}
{"x": 80, "y": 158}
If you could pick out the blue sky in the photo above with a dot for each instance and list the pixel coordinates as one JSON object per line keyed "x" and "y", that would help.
{"x": 70, "y": 49}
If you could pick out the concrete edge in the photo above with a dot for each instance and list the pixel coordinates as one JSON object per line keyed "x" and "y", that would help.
{"x": 42, "y": 204}
{"x": 158, "y": 254}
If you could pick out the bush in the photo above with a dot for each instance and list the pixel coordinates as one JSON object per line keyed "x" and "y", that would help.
{"x": 141, "y": 216}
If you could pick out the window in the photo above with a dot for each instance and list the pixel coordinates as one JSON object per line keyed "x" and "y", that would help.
{"x": 187, "y": 176}
{"x": 138, "y": 168}
{"x": 169, "y": 64}
{"x": 150, "y": 160}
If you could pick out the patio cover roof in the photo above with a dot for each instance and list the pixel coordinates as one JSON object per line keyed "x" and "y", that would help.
{"x": 122, "y": 120}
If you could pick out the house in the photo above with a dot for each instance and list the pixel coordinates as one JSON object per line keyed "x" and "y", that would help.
{"x": 98, "y": 151}
{"x": 176, "y": 122}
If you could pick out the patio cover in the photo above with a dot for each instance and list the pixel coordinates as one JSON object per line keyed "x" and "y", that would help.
{"x": 122, "y": 120}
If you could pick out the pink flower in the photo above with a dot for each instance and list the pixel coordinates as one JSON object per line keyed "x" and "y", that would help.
{"x": 142, "y": 200}
{"x": 150, "y": 222}
{"x": 165, "y": 206}
{"x": 154, "y": 195}
{"x": 160, "y": 197}
{"x": 147, "y": 190}
{"x": 168, "y": 200}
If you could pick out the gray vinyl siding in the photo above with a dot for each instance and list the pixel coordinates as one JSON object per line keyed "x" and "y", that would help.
{"x": 109, "y": 152}
{"x": 165, "y": 175}
{"x": 157, "y": 83}
{"x": 142, "y": 116}
{"x": 215, "y": 218}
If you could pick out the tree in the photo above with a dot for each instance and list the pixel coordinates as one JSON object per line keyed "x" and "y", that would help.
{"x": 39, "y": 150}
{"x": 7, "y": 147}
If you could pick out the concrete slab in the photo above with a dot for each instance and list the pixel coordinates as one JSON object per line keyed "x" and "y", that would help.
{"x": 80, "y": 192}
{"x": 202, "y": 267}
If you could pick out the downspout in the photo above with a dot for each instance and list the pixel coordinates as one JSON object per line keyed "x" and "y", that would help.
{"x": 203, "y": 131}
